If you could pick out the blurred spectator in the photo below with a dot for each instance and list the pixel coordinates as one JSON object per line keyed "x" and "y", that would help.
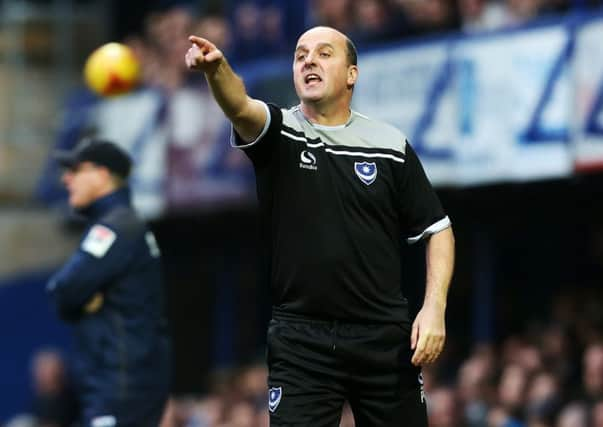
{"x": 529, "y": 358}
{"x": 443, "y": 408}
{"x": 597, "y": 414}
{"x": 215, "y": 28}
{"x": 372, "y": 20}
{"x": 257, "y": 32}
{"x": 111, "y": 292}
{"x": 191, "y": 412}
{"x": 428, "y": 16}
{"x": 54, "y": 403}
{"x": 253, "y": 383}
{"x": 242, "y": 414}
{"x": 593, "y": 372}
{"x": 481, "y": 15}
{"x": 511, "y": 389}
{"x": 262, "y": 419}
{"x": 474, "y": 390}
{"x": 273, "y": 37}
{"x": 555, "y": 349}
{"x": 500, "y": 417}
{"x": 573, "y": 415}
{"x": 543, "y": 399}
{"x": 333, "y": 13}
{"x": 247, "y": 44}
{"x": 167, "y": 35}
{"x": 522, "y": 11}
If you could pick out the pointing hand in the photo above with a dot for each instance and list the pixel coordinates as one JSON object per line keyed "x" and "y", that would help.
{"x": 203, "y": 55}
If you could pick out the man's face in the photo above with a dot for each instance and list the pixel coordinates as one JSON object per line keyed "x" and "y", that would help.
{"x": 320, "y": 66}
{"x": 84, "y": 182}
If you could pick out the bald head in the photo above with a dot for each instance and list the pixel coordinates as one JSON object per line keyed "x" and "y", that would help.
{"x": 332, "y": 33}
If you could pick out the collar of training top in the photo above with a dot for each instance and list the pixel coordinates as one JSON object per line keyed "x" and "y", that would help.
{"x": 120, "y": 197}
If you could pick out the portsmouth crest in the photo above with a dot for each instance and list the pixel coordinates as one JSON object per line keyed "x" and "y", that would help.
{"x": 366, "y": 171}
{"x": 274, "y": 397}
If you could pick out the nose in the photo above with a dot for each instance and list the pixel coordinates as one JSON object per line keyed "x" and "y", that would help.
{"x": 309, "y": 59}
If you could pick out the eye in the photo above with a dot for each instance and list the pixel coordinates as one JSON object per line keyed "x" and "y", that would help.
{"x": 325, "y": 54}
{"x": 300, "y": 57}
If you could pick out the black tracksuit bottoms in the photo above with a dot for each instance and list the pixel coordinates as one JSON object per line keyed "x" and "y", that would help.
{"x": 317, "y": 365}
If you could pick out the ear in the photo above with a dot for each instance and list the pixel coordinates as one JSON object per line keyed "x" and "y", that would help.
{"x": 105, "y": 175}
{"x": 352, "y": 75}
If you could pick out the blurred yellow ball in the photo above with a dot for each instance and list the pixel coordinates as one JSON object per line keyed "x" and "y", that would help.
{"x": 112, "y": 69}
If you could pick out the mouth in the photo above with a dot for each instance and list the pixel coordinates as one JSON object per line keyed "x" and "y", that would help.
{"x": 312, "y": 78}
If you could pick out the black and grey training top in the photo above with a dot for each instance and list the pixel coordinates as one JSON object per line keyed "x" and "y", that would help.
{"x": 334, "y": 203}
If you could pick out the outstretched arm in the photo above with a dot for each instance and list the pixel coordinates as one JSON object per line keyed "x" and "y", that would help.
{"x": 429, "y": 328}
{"x": 247, "y": 115}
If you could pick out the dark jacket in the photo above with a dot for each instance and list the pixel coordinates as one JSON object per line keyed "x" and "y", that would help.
{"x": 123, "y": 348}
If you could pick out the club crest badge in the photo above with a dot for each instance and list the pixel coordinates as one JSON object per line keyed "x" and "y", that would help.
{"x": 366, "y": 171}
{"x": 274, "y": 397}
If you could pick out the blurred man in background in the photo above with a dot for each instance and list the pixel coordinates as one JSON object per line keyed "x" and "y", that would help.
{"x": 337, "y": 190}
{"x": 111, "y": 291}
{"x": 54, "y": 403}
{"x": 593, "y": 372}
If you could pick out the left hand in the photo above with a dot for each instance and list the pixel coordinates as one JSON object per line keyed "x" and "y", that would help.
{"x": 428, "y": 335}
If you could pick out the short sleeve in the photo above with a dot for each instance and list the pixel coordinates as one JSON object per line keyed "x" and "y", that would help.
{"x": 260, "y": 149}
{"x": 420, "y": 208}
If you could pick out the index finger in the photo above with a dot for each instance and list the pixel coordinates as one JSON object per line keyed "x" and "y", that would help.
{"x": 419, "y": 354}
{"x": 199, "y": 41}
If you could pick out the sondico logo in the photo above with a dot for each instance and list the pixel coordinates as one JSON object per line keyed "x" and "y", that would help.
{"x": 307, "y": 160}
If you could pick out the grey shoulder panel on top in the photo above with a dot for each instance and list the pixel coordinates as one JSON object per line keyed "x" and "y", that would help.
{"x": 360, "y": 132}
{"x": 294, "y": 119}
{"x": 377, "y": 134}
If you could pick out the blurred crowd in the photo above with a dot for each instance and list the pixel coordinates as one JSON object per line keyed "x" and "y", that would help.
{"x": 550, "y": 374}
{"x": 252, "y": 30}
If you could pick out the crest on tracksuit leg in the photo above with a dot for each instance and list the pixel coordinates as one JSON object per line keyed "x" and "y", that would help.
{"x": 274, "y": 398}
